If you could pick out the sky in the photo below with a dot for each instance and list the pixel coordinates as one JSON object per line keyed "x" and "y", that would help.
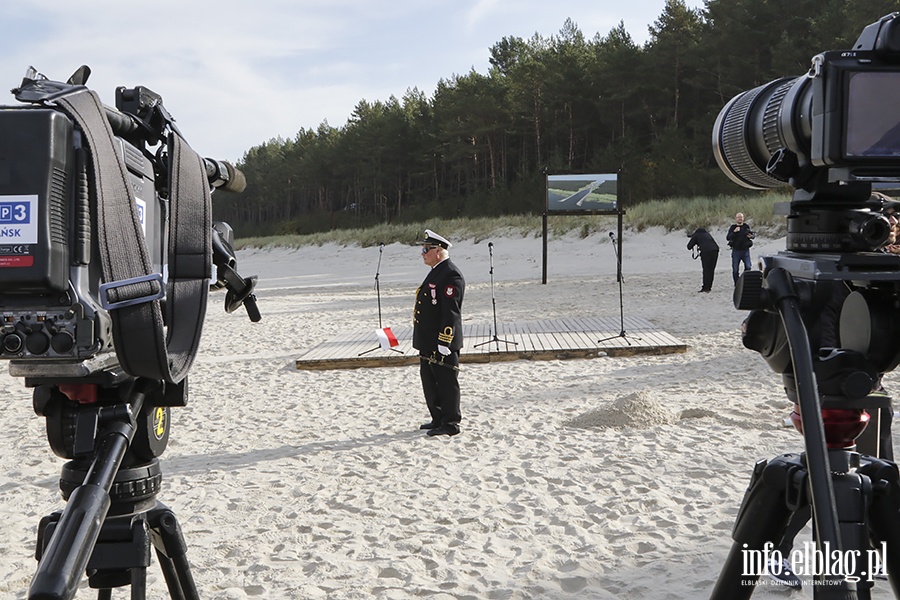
{"x": 236, "y": 74}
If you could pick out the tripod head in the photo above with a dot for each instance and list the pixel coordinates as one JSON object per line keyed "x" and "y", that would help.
{"x": 845, "y": 302}
{"x": 107, "y": 474}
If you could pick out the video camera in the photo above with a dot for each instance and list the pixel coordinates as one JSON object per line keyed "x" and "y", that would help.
{"x": 823, "y": 312}
{"x": 108, "y": 253}
{"x": 57, "y": 229}
{"x": 830, "y": 134}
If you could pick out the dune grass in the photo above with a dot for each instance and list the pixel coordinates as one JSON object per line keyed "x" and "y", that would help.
{"x": 676, "y": 214}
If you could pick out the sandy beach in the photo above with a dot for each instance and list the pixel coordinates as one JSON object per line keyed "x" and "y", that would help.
{"x": 606, "y": 478}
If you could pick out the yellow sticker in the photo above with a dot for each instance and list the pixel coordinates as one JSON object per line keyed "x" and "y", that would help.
{"x": 160, "y": 422}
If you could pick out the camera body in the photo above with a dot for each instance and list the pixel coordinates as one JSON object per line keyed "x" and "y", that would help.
{"x": 831, "y": 134}
{"x": 107, "y": 247}
{"x": 853, "y": 126}
{"x": 51, "y": 305}
{"x": 836, "y": 117}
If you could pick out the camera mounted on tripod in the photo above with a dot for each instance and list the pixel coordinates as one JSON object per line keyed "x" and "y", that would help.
{"x": 824, "y": 312}
{"x": 108, "y": 254}
{"x": 830, "y": 135}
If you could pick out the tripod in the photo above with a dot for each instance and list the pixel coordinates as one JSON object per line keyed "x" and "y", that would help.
{"x": 111, "y": 517}
{"x": 854, "y": 499}
{"x": 866, "y": 493}
{"x": 494, "y": 339}
{"x": 621, "y": 333}
{"x": 378, "y": 294}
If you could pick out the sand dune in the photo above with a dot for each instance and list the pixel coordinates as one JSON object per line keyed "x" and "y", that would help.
{"x": 614, "y": 478}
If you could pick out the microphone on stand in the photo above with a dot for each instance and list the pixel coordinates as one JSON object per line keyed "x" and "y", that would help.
{"x": 378, "y": 296}
{"x": 622, "y": 334}
{"x": 377, "y": 273}
{"x": 494, "y": 338}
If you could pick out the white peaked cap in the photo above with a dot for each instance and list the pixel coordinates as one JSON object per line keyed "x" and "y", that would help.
{"x": 438, "y": 240}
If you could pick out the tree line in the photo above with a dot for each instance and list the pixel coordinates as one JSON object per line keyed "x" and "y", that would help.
{"x": 483, "y": 142}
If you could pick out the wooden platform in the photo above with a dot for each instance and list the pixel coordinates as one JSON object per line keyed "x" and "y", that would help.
{"x": 574, "y": 337}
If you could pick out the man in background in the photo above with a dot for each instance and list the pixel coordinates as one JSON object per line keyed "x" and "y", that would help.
{"x": 437, "y": 335}
{"x": 740, "y": 238}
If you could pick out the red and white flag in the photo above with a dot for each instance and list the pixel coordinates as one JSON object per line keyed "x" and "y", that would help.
{"x": 386, "y": 338}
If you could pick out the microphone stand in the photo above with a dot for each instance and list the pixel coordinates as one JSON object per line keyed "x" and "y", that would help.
{"x": 494, "y": 339}
{"x": 378, "y": 293}
{"x": 621, "y": 333}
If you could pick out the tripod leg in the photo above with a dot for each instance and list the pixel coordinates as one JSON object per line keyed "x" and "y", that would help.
{"x": 852, "y": 495}
{"x": 760, "y": 524}
{"x": 884, "y": 526}
{"x": 171, "y": 551}
{"x": 170, "y": 573}
{"x": 139, "y": 583}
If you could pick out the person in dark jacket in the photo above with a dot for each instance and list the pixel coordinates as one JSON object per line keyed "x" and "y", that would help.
{"x": 740, "y": 238}
{"x": 709, "y": 256}
{"x": 437, "y": 335}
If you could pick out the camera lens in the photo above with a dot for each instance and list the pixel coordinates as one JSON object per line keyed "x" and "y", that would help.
{"x": 758, "y": 123}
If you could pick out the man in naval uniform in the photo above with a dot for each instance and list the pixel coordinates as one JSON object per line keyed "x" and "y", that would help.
{"x": 437, "y": 335}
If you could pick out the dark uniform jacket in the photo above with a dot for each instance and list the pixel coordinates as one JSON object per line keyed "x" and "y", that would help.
{"x": 438, "y": 314}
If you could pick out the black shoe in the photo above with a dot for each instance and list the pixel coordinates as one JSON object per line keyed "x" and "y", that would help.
{"x": 428, "y": 425}
{"x": 443, "y": 430}
{"x": 703, "y": 291}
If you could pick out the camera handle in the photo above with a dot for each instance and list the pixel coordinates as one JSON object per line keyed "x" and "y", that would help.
{"x": 240, "y": 289}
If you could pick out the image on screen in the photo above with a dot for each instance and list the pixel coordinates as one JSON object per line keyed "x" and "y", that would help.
{"x": 582, "y": 192}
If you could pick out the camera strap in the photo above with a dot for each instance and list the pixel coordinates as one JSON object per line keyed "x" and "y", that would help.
{"x": 147, "y": 343}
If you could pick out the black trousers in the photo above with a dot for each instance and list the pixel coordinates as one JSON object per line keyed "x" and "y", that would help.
{"x": 441, "y": 388}
{"x": 709, "y": 259}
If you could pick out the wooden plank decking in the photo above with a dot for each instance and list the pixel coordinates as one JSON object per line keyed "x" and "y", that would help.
{"x": 551, "y": 339}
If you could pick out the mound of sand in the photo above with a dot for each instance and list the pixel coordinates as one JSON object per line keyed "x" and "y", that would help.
{"x": 638, "y": 410}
